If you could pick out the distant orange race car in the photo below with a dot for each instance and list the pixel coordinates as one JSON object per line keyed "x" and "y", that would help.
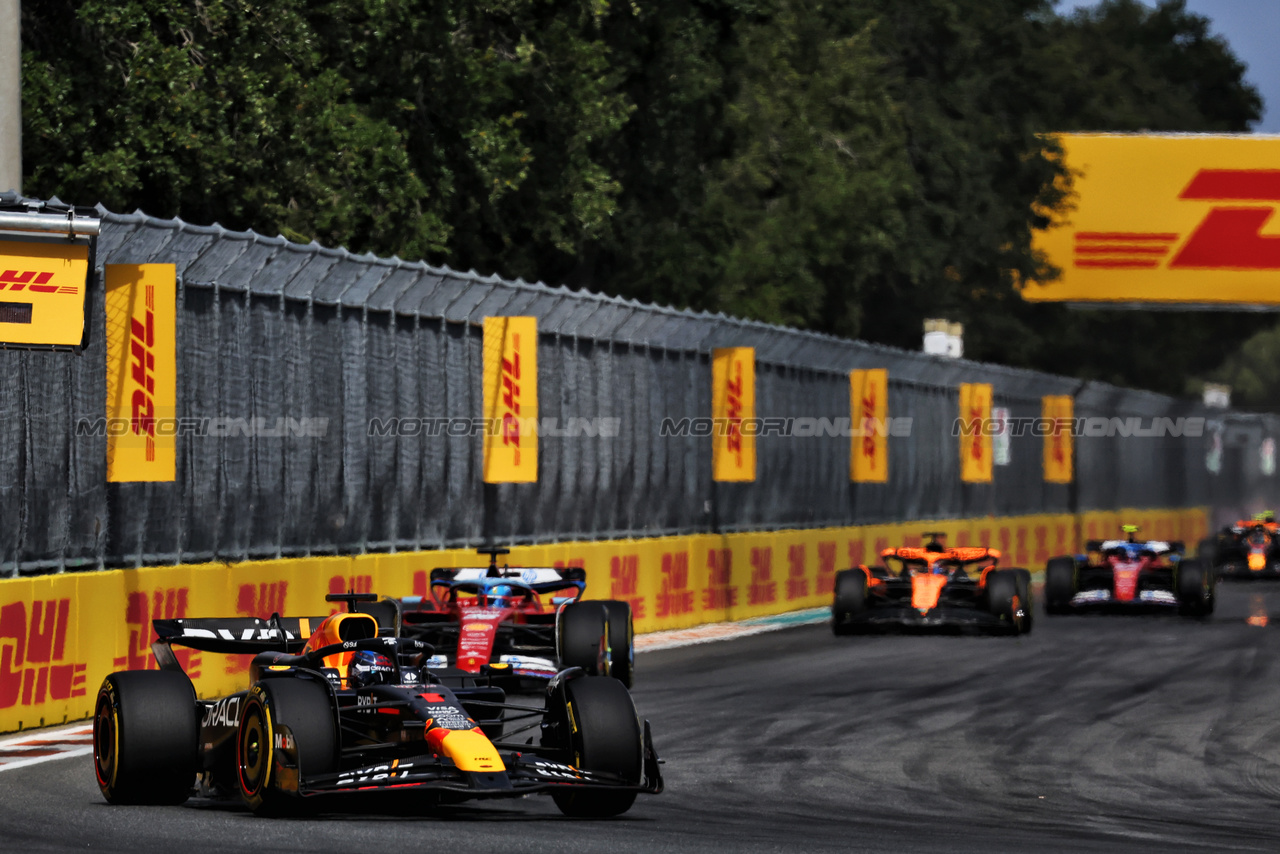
{"x": 934, "y": 587}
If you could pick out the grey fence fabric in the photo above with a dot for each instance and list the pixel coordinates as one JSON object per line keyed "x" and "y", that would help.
{"x": 272, "y": 333}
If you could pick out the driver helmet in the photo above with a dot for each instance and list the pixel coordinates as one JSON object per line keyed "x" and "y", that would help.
{"x": 370, "y": 668}
{"x": 500, "y": 593}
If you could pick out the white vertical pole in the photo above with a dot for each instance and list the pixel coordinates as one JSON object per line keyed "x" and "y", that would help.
{"x": 10, "y": 95}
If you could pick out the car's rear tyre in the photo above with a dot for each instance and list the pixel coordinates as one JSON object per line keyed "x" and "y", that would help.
{"x": 850, "y": 600}
{"x": 1028, "y": 604}
{"x": 146, "y": 737}
{"x": 584, "y": 637}
{"x": 622, "y": 648}
{"x": 1194, "y": 588}
{"x": 1059, "y": 585}
{"x": 607, "y": 739}
{"x": 1207, "y": 552}
{"x": 304, "y": 707}
{"x": 1008, "y": 599}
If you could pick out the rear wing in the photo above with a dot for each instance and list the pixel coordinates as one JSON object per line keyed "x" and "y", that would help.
{"x": 538, "y": 579}
{"x": 237, "y": 635}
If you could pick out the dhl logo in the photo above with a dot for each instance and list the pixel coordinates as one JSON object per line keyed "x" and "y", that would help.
{"x": 868, "y": 422}
{"x": 142, "y": 340}
{"x": 675, "y": 597}
{"x": 624, "y": 582}
{"x": 140, "y": 609}
{"x": 763, "y": 589}
{"x": 349, "y": 583}
{"x": 733, "y": 413}
{"x": 35, "y": 281}
{"x": 720, "y": 593}
{"x": 511, "y": 399}
{"x": 797, "y": 578}
{"x": 1228, "y": 237}
{"x": 827, "y": 567}
{"x": 32, "y": 647}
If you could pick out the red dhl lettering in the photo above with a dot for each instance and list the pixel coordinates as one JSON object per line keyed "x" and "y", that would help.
{"x": 827, "y": 566}
{"x": 868, "y": 423}
{"x": 33, "y": 280}
{"x": 511, "y": 399}
{"x": 30, "y": 651}
{"x": 733, "y": 412}
{"x": 975, "y": 448}
{"x": 797, "y": 579}
{"x": 719, "y": 592}
{"x": 624, "y": 582}
{"x": 142, "y": 336}
{"x": 140, "y": 610}
{"x": 675, "y": 597}
{"x": 763, "y": 588}
{"x": 1042, "y": 544}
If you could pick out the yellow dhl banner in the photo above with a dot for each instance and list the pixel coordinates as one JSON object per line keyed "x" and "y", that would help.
{"x": 1057, "y": 410}
{"x": 1167, "y": 218}
{"x": 60, "y": 635}
{"x": 511, "y": 399}
{"x": 975, "y": 437}
{"x": 733, "y": 412}
{"x": 42, "y": 292}
{"x": 141, "y": 372}
{"x": 869, "y": 408}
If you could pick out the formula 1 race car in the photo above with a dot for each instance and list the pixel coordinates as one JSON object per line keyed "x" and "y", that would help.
{"x": 345, "y": 709}
{"x": 477, "y": 616}
{"x": 1247, "y": 549}
{"x": 1129, "y": 574}
{"x": 935, "y": 587}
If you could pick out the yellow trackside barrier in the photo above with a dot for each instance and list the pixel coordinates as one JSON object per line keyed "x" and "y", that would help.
{"x": 61, "y": 634}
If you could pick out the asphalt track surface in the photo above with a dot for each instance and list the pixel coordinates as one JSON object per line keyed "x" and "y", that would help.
{"x": 1091, "y": 734}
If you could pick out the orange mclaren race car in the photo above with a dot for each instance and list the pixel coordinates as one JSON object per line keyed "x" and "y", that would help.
{"x": 337, "y": 704}
{"x": 1248, "y": 549}
{"x": 934, "y": 587}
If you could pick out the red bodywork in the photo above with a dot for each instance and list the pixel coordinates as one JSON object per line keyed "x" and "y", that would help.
{"x": 1126, "y": 570}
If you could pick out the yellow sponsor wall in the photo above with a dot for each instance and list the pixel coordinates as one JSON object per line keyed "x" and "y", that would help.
{"x": 61, "y": 634}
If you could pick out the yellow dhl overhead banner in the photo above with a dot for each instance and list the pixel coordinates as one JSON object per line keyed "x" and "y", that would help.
{"x": 60, "y": 635}
{"x": 1167, "y": 219}
{"x": 869, "y": 403}
{"x": 42, "y": 292}
{"x": 1057, "y": 411}
{"x": 733, "y": 413}
{"x": 975, "y": 437}
{"x": 511, "y": 399}
{"x": 141, "y": 372}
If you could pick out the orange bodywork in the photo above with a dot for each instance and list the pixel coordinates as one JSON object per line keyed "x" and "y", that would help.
{"x": 925, "y": 590}
{"x": 1257, "y": 562}
{"x": 337, "y": 628}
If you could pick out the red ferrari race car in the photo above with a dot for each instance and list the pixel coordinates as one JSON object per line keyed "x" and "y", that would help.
{"x": 336, "y": 705}
{"x": 1129, "y": 575}
{"x": 532, "y": 619}
{"x": 934, "y": 587}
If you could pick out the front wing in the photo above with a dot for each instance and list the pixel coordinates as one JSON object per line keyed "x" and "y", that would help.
{"x": 890, "y": 616}
{"x": 526, "y": 774}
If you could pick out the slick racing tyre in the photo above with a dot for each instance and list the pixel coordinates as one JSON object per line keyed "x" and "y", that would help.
{"x": 1024, "y": 594}
{"x": 584, "y": 637}
{"x": 1008, "y": 597}
{"x": 607, "y": 739}
{"x": 850, "y": 600}
{"x": 622, "y": 649}
{"x": 290, "y": 720}
{"x": 1194, "y": 588}
{"x": 146, "y": 737}
{"x": 1207, "y": 552}
{"x": 1059, "y": 585}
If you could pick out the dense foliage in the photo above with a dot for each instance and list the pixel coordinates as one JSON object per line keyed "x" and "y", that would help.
{"x": 850, "y": 167}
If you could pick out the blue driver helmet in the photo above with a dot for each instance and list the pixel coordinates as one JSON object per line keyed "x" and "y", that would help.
{"x": 370, "y": 668}
{"x": 500, "y": 593}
